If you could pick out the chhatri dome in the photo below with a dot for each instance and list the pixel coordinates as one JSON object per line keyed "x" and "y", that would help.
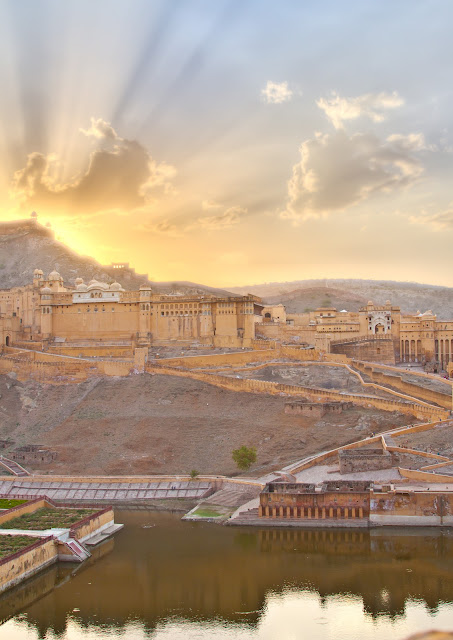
{"x": 54, "y": 275}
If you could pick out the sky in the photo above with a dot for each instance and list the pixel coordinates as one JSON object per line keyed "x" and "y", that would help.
{"x": 232, "y": 142}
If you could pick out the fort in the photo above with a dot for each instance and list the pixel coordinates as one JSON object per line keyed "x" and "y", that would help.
{"x": 103, "y": 319}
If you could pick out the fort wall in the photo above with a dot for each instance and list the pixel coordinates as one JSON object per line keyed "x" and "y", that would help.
{"x": 394, "y": 380}
{"x": 313, "y": 394}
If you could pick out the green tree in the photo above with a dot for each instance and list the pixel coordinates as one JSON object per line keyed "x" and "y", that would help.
{"x": 244, "y": 457}
{"x": 194, "y": 474}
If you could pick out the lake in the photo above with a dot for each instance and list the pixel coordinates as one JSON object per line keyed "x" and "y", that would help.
{"x": 165, "y": 579}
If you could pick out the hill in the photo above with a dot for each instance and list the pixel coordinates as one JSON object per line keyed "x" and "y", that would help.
{"x": 301, "y": 295}
{"x": 167, "y": 424}
{"x": 26, "y": 245}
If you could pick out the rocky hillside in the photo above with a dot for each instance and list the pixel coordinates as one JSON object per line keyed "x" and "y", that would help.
{"x": 166, "y": 424}
{"x": 306, "y": 295}
{"x": 26, "y": 245}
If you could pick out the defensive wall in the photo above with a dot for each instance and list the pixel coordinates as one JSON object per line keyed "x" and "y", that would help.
{"x": 316, "y": 459}
{"x": 313, "y": 394}
{"x": 395, "y": 380}
{"x": 369, "y": 348}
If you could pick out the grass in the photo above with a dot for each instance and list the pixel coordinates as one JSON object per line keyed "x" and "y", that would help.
{"x": 9, "y": 504}
{"x": 207, "y": 513}
{"x": 48, "y": 518}
{"x": 12, "y": 544}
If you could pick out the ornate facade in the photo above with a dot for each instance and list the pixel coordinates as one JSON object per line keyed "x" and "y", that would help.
{"x": 49, "y": 311}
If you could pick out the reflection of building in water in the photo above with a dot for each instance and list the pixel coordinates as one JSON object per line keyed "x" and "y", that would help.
{"x": 25, "y": 594}
{"x": 219, "y": 573}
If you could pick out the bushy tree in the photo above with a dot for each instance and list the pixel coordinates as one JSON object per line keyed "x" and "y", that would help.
{"x": 244, "y": 457}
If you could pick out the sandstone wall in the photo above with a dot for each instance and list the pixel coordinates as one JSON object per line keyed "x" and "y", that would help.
{"x": 24, "y": 564}
{"x": 429, "y": 395}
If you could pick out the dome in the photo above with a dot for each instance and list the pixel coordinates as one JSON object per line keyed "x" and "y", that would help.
{"x": 46, "y": 290}
{"x": 115, "y": 286}
{"x": 145, "y": 287}
{"x": 81, "y": 287}
{"x": 94, "y": 284}
{"x": 36, "y": 272}
{"x": 78, "y": 281}
{"x": 40, "y": 272}
{"x": 370, "y": 302}
{"x": 54, "y": 275}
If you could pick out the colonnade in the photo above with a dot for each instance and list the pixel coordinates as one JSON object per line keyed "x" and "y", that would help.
{"x": 411, "y": 351}
{"x": 308, "y": 513}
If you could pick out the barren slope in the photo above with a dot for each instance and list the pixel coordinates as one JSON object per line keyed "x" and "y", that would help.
{"x": 164, "y": 424}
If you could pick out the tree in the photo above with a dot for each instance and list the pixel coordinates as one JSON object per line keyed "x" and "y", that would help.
{"x": 244, "y": 457}
{"x": 193, "y": 474}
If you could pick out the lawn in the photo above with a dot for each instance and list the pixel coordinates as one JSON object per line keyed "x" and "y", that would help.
{"x": 45, "y": 518}
{"x": 9, "y": 504}
{"x": 12, "y": 544}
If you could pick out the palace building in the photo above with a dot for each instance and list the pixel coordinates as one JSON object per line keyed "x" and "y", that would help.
{"x": 49, "y": 311}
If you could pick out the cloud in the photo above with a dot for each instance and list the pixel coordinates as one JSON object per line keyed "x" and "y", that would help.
{"x": 337, "y": 170}
{"x": 370, "y": 105}
{"x": 229, "y": 218}
{"x": 120, "y": 175}
{"x": 100, "y": 129}
{"x": 207, "y": 205}
{"x": 276, "y": 93}
{"x": 437, "y": 221}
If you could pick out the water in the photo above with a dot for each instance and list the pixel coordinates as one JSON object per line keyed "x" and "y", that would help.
{"x": 164, "y": 579}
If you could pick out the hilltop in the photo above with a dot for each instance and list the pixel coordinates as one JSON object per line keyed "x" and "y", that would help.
{"x": 26, "y": 245}
{"x": 304, "y": 295}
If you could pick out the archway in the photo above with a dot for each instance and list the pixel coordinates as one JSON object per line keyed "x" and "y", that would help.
{"x": 379, "y": 328}
{"x": 7, "y": 341}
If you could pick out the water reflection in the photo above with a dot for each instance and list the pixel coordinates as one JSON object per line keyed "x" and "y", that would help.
{"x": 193, "y": 580}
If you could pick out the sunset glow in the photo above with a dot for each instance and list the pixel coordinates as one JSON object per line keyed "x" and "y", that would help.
{"x": 233, "y": 142}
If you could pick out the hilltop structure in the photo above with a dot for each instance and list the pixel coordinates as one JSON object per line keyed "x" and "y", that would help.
{"x": 51, "y": 312}
{"x": 374, "y": 333}
{"x": 48, "y": 311}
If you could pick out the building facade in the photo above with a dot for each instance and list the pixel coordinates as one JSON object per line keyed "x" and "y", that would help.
{"x": 47, "y": 310}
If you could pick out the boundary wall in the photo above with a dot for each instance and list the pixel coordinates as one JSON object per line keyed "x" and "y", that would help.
{"x": 25, "y": 563}
{"x": 315, "y": 395}
{"x": 429, "y": 395}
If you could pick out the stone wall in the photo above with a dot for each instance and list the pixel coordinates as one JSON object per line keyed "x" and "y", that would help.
{"x": 313, "y": 394}
{"x": 429, "y": 395}
{"x": 93, "y": 523}
{"x": 315, "y": 409}
{"x": 25, "y": 563}
{"x": 368, "y": 350}
{"x": 355, "y": 460}
{"x": 416, "y": 508}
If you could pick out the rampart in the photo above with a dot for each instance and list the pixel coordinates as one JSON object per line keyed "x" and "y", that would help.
{"x": 394, "y": 380}
{"x": 313, "y": 394}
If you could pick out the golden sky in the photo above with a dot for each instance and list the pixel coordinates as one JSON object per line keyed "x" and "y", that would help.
{"x": 233, "y": 142}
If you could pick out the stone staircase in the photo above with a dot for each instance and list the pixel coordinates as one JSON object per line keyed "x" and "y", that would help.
{"x": 13, "y": 467}
{"x": 233, "y": 496}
